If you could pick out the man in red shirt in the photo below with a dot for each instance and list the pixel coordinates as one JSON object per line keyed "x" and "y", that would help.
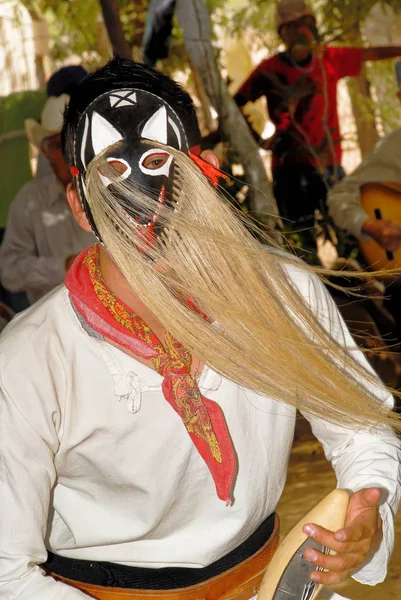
{"x": 300, "y": 86}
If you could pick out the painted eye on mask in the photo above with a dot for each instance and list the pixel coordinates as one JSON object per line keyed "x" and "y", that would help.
{"x": 154, "y": 162}
{"x": 119, "y": 167}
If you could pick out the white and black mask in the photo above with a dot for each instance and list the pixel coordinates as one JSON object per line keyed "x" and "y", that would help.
{"x": 134, "y": 118}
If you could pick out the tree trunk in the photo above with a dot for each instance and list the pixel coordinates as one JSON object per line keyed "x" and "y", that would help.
{"x": 203, "y": 99}
{"x": 364, "y": 118}
{"x": 195, "y": 21}
{"x": 361, "y": 99}
{"x": 114, "y": 27}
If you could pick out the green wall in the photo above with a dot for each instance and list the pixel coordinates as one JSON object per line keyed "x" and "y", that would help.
{"x": 14, "y": 148}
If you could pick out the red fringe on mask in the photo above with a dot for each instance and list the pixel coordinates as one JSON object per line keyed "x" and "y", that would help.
{"x": 207, "y": 169}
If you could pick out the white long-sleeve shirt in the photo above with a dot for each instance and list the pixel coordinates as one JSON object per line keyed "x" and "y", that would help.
{"x": 41, "y": 234}
{"x": 95, "y": 464}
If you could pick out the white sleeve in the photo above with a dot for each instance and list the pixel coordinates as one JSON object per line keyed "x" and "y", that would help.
{"x": 28, "y": 443}
{"x": 344, "y": 203}
{"x": 21, "y": 269}
{"x": 364, "y": 458}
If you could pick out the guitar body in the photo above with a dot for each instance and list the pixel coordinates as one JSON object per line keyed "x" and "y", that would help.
{"x": 385, "y": 197}
{"x": 287, "y": 575}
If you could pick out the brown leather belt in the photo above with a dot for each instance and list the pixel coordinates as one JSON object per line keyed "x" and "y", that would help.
{"x": 241, "y": 582}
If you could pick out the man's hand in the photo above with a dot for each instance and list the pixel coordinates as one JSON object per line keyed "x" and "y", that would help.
{"x": 386, "y": 233}
{"x": 352, "y": 544}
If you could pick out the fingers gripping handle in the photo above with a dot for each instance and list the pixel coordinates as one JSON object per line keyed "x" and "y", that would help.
{"x": 287, "y": 575}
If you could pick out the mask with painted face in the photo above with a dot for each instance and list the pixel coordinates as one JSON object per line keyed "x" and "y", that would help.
{"x": 130, "y": 121}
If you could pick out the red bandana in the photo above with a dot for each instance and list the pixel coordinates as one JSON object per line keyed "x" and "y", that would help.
{"x": 105, "y": 313}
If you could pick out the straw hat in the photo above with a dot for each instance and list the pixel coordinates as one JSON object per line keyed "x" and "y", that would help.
{"x": 51, "y": 120}
{"x": 292, "y": 10}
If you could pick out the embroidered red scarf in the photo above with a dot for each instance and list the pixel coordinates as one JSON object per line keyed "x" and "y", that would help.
{"x": 105, "y": 313}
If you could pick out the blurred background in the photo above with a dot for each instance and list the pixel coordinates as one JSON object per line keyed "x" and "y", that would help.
{"x": 37, "y": 37}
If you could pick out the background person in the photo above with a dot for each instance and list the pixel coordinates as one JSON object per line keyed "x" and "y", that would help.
{"x": 382, "y": 166}
{"x": 62, "y": 81}
{"x": 300, "y": 86}
{"x": 42, "y": 238}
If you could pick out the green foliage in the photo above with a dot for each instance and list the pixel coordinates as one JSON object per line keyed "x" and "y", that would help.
{"x": 72, "y": 26}
{"x": 233, "y": 16}
{"x": 381, "y": 74}
{"x": 336, "y": 17}
{"x": 133, "y": 18}
{"x": 339, "y": 17}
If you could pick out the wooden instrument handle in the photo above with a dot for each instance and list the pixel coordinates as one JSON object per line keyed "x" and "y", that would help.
{"x": 330, "y": 513}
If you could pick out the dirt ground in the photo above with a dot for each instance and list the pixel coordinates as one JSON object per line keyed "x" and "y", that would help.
{"x": 310, "y": 478}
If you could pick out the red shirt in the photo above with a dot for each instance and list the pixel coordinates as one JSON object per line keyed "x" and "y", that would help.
{"x": 302, "y": 103}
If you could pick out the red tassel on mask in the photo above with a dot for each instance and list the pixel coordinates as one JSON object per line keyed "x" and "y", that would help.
{"x": 207, "y": 169}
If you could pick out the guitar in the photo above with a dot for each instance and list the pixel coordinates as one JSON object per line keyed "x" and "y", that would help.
{"x": 381, "y": 201}
{"x": 287, "y": 575}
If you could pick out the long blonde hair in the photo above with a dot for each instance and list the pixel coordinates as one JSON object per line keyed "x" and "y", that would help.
{"x": 261, "y": 333}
